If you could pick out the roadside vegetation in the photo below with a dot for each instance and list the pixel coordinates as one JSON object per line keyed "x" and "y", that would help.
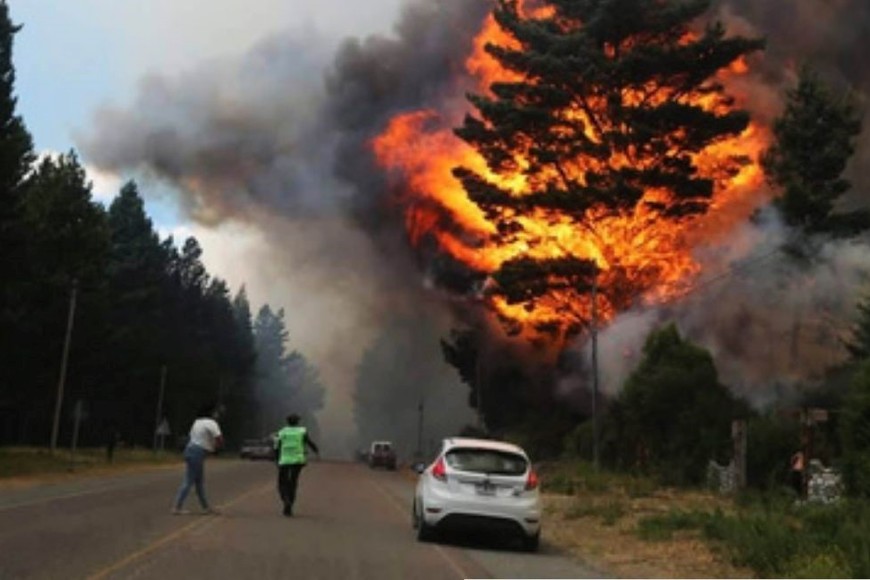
{"x": 36, "y": 464}
{"x": 634, "y": 526}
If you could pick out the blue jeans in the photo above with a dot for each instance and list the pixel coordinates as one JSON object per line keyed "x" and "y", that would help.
{"x": 194, "y": 475}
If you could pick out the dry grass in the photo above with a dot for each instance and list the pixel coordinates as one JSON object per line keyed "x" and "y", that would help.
{"x": 597, "y": 522}
{"x": 25, "y": 466}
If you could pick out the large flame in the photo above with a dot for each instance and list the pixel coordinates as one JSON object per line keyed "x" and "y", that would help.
{"x": 654, "y": 256}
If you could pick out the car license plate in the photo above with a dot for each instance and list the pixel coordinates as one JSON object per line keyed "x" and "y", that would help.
{"x": 485, "y": 489}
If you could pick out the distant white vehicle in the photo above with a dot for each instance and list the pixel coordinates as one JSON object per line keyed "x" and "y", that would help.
{"x": 479, "y": 483}
{"x": 263, "y": 448}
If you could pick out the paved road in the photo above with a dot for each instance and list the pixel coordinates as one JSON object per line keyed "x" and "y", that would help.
{"x": 350, "y": 523}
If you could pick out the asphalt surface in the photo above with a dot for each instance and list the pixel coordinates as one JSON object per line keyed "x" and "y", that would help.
{"x": 350, "y": 522}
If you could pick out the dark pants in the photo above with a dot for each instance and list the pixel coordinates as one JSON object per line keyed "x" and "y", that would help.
{"x": 288, "y": 479}
{"x": 797, "y": 481}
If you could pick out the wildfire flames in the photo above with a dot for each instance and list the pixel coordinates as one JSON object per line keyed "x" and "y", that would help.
{"x": 640, "y": 256}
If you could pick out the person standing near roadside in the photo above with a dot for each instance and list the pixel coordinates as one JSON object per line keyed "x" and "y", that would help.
{"x": 205, "y": 437}
{"x": 290, "y": 444}
{"x": 797, "y": 465}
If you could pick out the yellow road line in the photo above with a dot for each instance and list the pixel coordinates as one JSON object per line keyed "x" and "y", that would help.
{"x": 126, "y": 561}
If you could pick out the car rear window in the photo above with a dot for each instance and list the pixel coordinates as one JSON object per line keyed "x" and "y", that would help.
{"x": 486, "y": 461}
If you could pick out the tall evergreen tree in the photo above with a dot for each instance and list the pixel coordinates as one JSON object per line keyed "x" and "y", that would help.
{"x": 286, "y": 381}
{"x": 137, "y": 326}
{"x": 606, "y": 106}
{"x": 814, "y": 140}
{"x": 68, "y": 243}
{"x": 16, "y": 157}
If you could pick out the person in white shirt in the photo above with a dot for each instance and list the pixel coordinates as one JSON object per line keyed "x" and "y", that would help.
{"x": 205, "y": 438}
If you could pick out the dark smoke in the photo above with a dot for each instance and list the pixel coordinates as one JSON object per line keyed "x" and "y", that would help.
{"x": 278, "y": 141}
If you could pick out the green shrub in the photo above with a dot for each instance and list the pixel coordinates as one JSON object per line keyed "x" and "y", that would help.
{"x": 761, "y": 541}
{"x": 818, "y": 565}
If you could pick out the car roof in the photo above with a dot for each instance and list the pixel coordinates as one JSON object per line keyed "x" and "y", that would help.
{"x": 455, "y": 442}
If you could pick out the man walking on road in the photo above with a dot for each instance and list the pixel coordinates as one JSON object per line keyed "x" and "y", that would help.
{"x": 290, "y": 446}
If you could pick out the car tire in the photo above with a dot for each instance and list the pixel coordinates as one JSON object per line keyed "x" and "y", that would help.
{"x": 425, "y": 532}
{"x": 531, "y": 543}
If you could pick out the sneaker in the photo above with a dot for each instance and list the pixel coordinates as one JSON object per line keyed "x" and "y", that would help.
{"x": 288, "y": 510}
{"x": 179, "y": 512}
{"x": 211, "y": 512}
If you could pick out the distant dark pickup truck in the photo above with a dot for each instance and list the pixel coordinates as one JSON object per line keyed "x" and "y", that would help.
{"x": 382, "y": 454}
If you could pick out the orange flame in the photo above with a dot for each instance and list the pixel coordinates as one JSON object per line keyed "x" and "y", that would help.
{"x": 637, "y": 250}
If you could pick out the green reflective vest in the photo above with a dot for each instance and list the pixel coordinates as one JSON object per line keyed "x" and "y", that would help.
{"x": 291, "y": 443}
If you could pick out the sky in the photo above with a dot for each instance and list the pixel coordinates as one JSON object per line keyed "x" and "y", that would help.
{"x": 73, "y": 59}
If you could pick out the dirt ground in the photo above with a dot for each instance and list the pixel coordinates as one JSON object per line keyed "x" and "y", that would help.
{"x": 600, "y": 528}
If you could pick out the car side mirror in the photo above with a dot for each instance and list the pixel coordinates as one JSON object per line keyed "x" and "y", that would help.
{"x": 419, "y": 467}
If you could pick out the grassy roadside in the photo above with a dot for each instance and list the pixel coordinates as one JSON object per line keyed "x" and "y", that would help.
{"x": 597, "y": 518}
{"x": 631, "y": 527}
{"x": 21, "y": 466}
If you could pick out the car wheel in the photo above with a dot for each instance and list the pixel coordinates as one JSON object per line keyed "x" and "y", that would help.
{"x": 531, "y": 543}
{"x": 425, "y": 532}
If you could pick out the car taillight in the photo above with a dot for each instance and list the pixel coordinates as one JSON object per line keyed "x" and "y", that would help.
{"x": 532, "y": 480}
{"x": 439, "y": 470}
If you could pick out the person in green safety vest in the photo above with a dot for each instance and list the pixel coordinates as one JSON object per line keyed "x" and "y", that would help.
{"x": 290, "y": 444}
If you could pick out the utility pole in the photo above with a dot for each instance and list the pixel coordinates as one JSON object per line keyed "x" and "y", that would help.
{"x": 159, "y": 413}
{"x": 595, "y": 370}
{"x": 63, "y": 364}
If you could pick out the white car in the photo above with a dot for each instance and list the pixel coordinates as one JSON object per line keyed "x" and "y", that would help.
{"x": 479, "y": 483}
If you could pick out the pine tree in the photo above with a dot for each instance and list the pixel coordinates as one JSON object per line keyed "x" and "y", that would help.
{"x": 16, "y": 151}
{"x": 68, "y": 244}
{"x": 16, "y": 157}
{"x": 286, "y": 381}
{"x": 859, "y": 344}
{"x": 814, "y": 140}
{"x": 606, "y": 107}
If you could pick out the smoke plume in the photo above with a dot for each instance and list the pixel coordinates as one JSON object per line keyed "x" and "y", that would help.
{"x": 278, "y": 140}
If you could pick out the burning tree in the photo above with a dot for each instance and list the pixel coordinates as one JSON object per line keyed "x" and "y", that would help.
{"x": 600, "y": 138}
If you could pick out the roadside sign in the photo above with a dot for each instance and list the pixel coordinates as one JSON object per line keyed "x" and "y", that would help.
{"x": 163, "y": 428}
